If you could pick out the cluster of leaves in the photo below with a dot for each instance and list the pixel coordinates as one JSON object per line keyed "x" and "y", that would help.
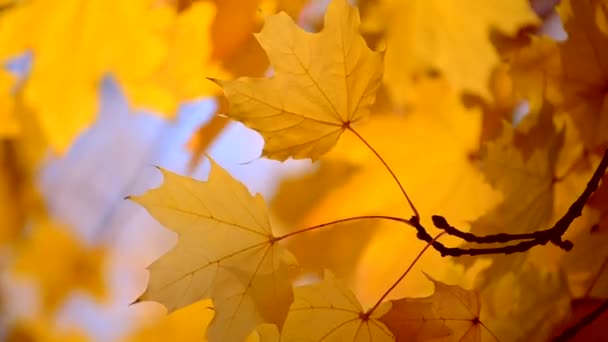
{"x": 422, "y": 146}
{"x": 228, "y": 252}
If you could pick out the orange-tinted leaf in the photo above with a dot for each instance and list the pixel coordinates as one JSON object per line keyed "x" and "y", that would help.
{"x": 451, "y": 313}
{"x": 579, "y": 86}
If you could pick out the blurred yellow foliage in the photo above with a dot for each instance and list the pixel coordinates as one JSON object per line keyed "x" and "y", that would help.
{"x": 59, "y": 263}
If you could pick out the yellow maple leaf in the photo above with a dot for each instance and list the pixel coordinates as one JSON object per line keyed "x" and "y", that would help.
{"x": 450, "y": 313}
{"x": 453, "y": 38}
{"x": 521, "y": 164}
{"x": 226, "y": 251}
{"x": 332, "y": 77}
{"x": 328, "y": 311}
{"x": 75, "y": 44}
{"x": 174, "y": 56}
{"x": 181, "y": 76}
{"x": 68, "y": 264}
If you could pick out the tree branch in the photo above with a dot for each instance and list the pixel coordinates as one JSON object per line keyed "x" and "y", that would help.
{"x": 541, "y": 237}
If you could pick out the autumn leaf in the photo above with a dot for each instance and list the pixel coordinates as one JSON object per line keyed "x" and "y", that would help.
{"x": 226, "y": 251}
{"x": 456, "y": 41}
{"x": 530, "y": 67}
{"x": 181, "y": 76}
{"x": 328, "y": 311}
{"x": 68, "y": 265}
{"x": 525, "y": 304}
{"x": 70, "y": 60}
{"x": 521, "y": 164}
{"x": 332, "y": 77}
{"x": 450, "y": 313}
{"x": 578, "y": 85}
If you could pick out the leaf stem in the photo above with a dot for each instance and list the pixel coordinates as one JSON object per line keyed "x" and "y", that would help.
{"x": 388, "y": 168}
{"x": 412, "y": 264}
{"x": 355, "y": 218}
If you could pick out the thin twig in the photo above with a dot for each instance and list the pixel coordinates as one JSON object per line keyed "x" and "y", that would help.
{"x": 355, "y": 218}
{"x": 541, "y": 237}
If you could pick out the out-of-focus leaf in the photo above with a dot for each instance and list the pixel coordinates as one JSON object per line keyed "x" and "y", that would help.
{"x": 60, "y": 264}
{"x": 451, "y": 313}
{"x": 578, "y": 85}
{"x": 74, "y": 44}
{"x": 456, "y": 41}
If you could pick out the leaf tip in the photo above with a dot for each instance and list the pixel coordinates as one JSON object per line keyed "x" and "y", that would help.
{"x": 215, "y": 80}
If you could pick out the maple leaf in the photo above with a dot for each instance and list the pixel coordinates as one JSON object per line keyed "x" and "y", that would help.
{"x": 69, "y": 60}
{"x": 529, "y": 68}
{"x": 180, "y": 77}
{"x": 328, "y": 311}
{"x": 454, "y": 38}
{"x": 71, "y": 267}
{"x": 450, "y": 313}
{"x": 225, "y": 251}
{"x": 578, "y": 82}
{"x": 332, "y": 77}
{"x": 525, "y": 303}
{"x": 521, "y": 163}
